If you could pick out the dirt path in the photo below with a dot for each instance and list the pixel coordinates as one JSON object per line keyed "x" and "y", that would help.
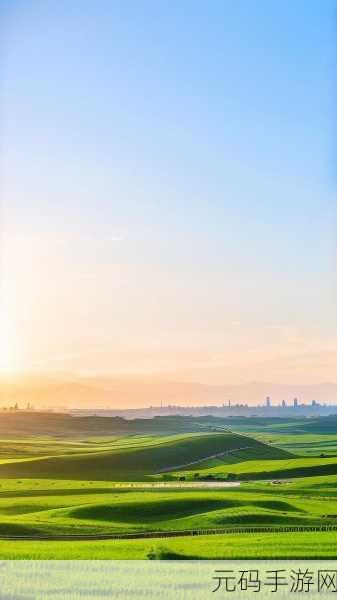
{"x": 196, "y": 462}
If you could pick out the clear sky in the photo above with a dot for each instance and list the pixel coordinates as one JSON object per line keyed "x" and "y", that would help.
{"x": 168, "y": 183}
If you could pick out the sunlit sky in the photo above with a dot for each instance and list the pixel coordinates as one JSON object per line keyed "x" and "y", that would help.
{"x": 168, "y": 184}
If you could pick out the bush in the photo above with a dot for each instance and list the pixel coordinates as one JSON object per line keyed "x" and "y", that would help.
{"x": 162, "y": 553}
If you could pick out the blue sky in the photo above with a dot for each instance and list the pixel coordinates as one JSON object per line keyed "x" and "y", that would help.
{"x": 169, "y": 186}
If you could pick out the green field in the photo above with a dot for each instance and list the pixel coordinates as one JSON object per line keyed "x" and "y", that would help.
{"x": 265, "y": 469}
{"x": 130, "y": 458}
{"x": 56, "y": 485}
{"x": 49, "y": 508}
{"x": 244, "y": 546}
{"x": 305, "y": 444}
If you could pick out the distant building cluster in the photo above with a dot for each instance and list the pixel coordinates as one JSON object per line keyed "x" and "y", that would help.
{"x": 267, "y": 408}
{"x": 16, "y": 408}
{"x": 295, "y": 404}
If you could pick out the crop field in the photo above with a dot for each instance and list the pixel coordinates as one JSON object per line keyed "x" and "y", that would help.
{"x": 210, "y": 494}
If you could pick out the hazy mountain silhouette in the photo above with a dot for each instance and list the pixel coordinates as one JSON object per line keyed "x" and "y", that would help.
{"x": 114, "y": 392}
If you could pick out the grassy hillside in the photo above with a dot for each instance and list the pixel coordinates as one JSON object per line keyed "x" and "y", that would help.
{"x": 79, "y": 476}
{"x": 125, "y": 461}
{"x": 22, "y": 424}
{"x": 305, "y": 444}
{"x": 285, "y": 425}
{"x": 48, "y": 507}
{"x": 268, "y": 469}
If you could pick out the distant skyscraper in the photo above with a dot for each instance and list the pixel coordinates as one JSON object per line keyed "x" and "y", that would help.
{"x": 295, "y": 403}
{"x": 268, "y": 402}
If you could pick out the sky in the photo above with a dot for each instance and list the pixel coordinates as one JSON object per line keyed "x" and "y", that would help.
{"x": 168, "y": 189}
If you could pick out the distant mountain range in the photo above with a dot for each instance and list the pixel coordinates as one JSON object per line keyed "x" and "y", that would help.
{"x": 113, "y": 392}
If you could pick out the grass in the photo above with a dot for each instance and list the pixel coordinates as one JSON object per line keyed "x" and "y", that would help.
{"x": 57, "y": 485}
{"x": 267, "y": 469}
{"x": 45, "y": 507}
{"x": 245, "y": 546}
{"x": 309, "y": 445}
{"x": 134, "y": 460}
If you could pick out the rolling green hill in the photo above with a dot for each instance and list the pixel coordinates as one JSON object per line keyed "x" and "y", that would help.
{"x": 250, "y": 470}
{"x": 130, "y": 462}
{"x": 49, "y": 508}
{"x": 285, "y": 425}
{"x": 21, "y": 424}
{"x": 87, "y": 476}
